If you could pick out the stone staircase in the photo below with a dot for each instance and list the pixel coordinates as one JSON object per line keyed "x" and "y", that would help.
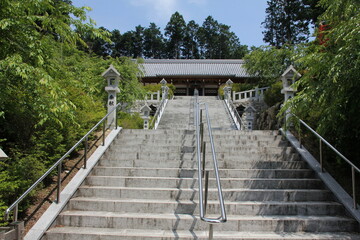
{"x": 220, "y": 119}
{"x": 178, "y": 114}
{"x": 145, "y": 187}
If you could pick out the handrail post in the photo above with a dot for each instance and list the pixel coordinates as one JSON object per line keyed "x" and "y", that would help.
{"x": 85, "y": 151}
{"x": 116, "y": 122}
{"x": 201, "y": 135}
{"x": 203, "y": 161}
{"x": 16, "y": 212}
{"x": 211, "y": 232}
{"x": 321, "y": 155}
{"x": 206, "y": 190}
{"x": 103, "y": 134}
{"x": 299, "y": 132}
{"x": 58, "y": 183}
{"x": 353, "y": 186}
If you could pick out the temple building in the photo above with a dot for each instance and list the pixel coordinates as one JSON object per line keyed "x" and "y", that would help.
{"x": 206, "y": 75}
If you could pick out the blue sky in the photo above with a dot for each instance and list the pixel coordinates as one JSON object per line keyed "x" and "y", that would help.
{"x": 244, "y": 16}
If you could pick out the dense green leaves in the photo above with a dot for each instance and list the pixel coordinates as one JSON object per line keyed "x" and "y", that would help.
{"x": 329, "y": 87}
{"x": 51, "y": 93}
{"x": 175, "y": 31}
{"x": 288, "y": 21}
{"x": 331, "y": 82}
{"x": 268, "y": 63}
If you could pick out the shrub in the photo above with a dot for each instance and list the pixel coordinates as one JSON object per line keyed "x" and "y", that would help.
{"x": 273, "y": 95}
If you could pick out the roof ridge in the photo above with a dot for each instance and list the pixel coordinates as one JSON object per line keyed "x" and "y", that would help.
{"x": 208, "y": 61}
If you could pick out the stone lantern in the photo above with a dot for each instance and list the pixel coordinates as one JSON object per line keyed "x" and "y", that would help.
{"x": 164, "y": 88}
{"x": 145, "y": 114}
{"x": 248, "y": 117}
{"x": 112, "y": 77}
{"x": 2, "y": 155}
{"x": 227, "y": 89}
{"x": 288, "y": 78}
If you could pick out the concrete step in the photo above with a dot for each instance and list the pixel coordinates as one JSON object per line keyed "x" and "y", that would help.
{"x": 287, "y": 195}
{"x": 224, "y": 173}
{"x": 188, "y": 156}
{"x": 229, "y": 164}
{"x": 228, "y": 150}
{"x": 76, "y": 233}
{"x": 253, "y": 183}
{"x": 162, "y": 142}
{"x": 191, "y": 207}
{"x": 172, "y": 221}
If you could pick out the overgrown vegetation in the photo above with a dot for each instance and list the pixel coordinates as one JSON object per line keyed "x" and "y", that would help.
{"x": 328, "y": 89}
{"x": 157, "y": 87}
{"x": 130, "y": 121}
{"x": 51, "y": 93}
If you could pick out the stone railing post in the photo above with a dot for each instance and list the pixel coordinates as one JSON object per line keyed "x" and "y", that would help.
{"x": 145, "y": 114}
{"x": 164, "y": 88}
{"x": 228, "y": 88}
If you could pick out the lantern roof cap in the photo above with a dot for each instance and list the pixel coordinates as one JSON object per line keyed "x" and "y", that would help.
{"x": 290, "y": 70}
{"x": 145, "y": 107}
{"x": 111, "y": 71}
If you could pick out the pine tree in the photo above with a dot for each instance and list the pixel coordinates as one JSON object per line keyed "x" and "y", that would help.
{"x": 208, "y": 37}
{"x": 153, "y": 42}
{"x": 175, "y": 30}
{"x": 287, "y": 22}
{"x": 191, "y": 45}
{"x": 138, "y": 41}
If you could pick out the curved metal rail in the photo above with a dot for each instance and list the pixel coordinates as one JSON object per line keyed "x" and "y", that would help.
{"x": 201, "y": 169}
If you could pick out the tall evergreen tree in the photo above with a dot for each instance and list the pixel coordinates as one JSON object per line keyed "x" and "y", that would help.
{"x": 175, "y": 30}
{"x": 287, "y": 22}
{"x": 153, "y": 42}
{"x": 116, "y": 45}
{"x": 208, "y": 37}
{"x": 191, "y": 45}
{"x": 138, "y": 41}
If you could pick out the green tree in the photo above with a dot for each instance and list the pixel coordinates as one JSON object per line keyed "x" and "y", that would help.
{"x": 208, "y": 37}
{"x": 153, "y": 42}
{"x": 330, "y": 83}
{"x": 175, "y": 31}
{"x": 50, "y": 91}
{"x": 96, "y": 45}
{"x": 191, "y": 45}
{"x": 286, "y": 22}
{"x": 116, "y": 45}
{"x": 138, "y": 42}
{"x": 268, "y": 63}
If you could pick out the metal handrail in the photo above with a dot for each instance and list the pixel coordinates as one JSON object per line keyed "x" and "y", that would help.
{"x": 353, "y": 167}
{"x": 222, "y": 218}
{"x": 58, "y": 164}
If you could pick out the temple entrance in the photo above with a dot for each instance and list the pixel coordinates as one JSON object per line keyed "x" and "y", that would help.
{"x": 207, "y": 90}
{"x": 192, "y": 89}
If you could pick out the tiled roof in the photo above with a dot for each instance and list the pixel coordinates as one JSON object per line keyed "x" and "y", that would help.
{"x": 198, "y": 67}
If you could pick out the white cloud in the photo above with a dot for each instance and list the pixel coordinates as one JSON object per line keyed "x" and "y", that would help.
{"x": 157, "y": 9}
